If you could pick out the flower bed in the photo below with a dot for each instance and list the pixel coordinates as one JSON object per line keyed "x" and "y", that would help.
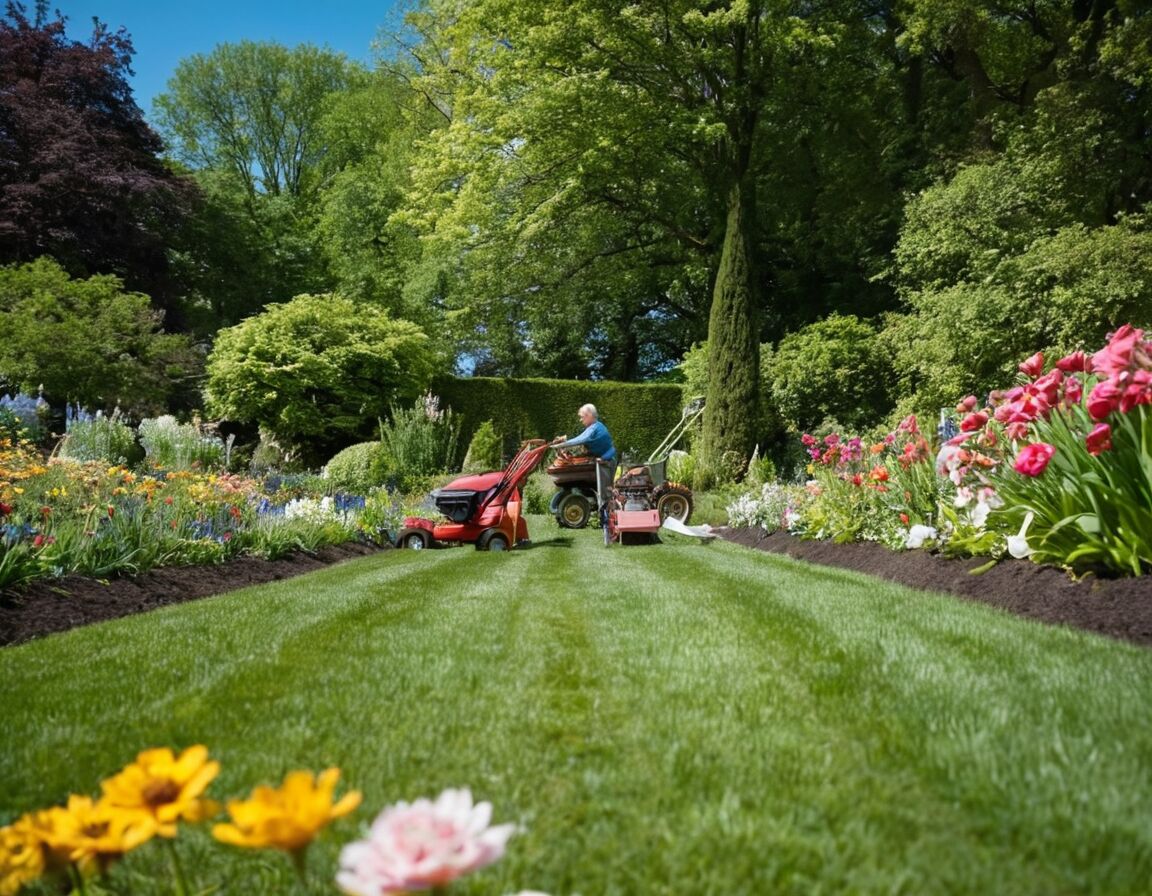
{"x": 1057, "y": 468}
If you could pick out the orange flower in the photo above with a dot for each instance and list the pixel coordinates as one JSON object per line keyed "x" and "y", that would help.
{"x": 165, "y": 787}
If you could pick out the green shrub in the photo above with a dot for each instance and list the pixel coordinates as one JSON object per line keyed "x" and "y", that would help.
{"x": 173, "y": 445}
{"x": 484, "y": 451}
{"x": 417, "y": 442}
{"x": 88, "y": 340}
{"x": 835, "y": 368}
{"x": 315, "y": 371}
{"x": 353, "y": 468}
{"x": 103, "y": 438}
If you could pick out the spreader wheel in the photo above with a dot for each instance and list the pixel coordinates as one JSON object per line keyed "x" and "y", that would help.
{"x": 492, "y": 540}
{"x": 414, "y": 539}
{"x": 673, "y": 500}
{"x": 573, "y": 511}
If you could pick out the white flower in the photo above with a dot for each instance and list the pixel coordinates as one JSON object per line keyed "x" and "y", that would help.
{"x": 1018, "y": 543}
{"x": 979, "y": 514}
{"x": 963, "y": 496}
{"x": 422, "y": 845}
{"x": 918, "y": 534}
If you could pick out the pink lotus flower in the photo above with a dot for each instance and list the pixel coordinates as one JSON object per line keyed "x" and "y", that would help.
{"x": 1034, "y": 366}
{"x": 1033, "y": 459}
{"x": 1077, "y": 362}
{"x": 1100, "y": 439}
{"x": 422, "y": 845}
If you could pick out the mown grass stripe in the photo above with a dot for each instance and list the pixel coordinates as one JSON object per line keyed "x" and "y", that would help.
{"x": 671, "y": 719}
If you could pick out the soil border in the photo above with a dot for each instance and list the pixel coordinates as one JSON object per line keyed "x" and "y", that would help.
{"x": 1118, "y": 608}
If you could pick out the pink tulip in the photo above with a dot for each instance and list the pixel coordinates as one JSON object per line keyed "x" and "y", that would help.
{"x": 1073, "y": 391}
{"x": 967, "y": 405}
{"x": 1126, "y": 350}
{"x": 1049, "y": 385}
{"x": 1100, "y": 439}
{"x": 1077, "y": 362}
{"x": 1034, "y": 366}
{"x": 973, "y": 422}
{"x": 1016, "y": 431}
{"x": 1137, "y": 390}
{"x": 1033, "y": 459}
{"x": 1104, "y": 399}
{"x": 422, "y": 845}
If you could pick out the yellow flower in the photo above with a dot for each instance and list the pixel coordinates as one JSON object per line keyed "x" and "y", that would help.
{"x": 23, "y": 856}
{"x": 94, "y": 834}
{"x": 165, "y": 787}
{"x": 289, "y": 817}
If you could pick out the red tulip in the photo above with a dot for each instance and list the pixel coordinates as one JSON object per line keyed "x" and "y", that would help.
{"x": 1034, "y": 366}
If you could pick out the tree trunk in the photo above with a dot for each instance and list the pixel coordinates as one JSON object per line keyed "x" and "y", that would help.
{"x": 732, "y": 409}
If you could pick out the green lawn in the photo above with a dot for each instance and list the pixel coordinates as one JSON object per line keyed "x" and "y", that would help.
{"x": 672, "y": 719}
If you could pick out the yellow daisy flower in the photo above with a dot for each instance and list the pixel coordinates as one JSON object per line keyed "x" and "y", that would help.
{"x": 288, "y": 817}
{"x": 165, "y": 787}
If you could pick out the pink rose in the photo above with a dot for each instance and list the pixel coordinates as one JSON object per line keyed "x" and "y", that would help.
{"x": 1100, "y": 439}
{"x": 422, "y": 845}
{"x": 1104, "y": 399}
{"x": 1034, "y": 366}
{"x": 1033, "y": 459}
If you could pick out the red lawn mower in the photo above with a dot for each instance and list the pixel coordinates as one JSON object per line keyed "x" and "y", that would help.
{"x": 483, "y": 510}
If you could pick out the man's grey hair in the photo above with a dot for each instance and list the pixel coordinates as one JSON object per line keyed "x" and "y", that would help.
{"x": 589, "y": 409}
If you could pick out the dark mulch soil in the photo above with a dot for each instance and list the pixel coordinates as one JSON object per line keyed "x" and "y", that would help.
{"x": 56, "y": 605}
{"x": 1119, "y": 608}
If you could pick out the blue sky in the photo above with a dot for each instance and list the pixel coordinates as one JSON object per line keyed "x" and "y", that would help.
{"x": 163, "y": 33}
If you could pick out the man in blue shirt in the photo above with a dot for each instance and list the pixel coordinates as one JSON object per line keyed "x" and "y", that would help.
{"x": 598, "y": 443}
{"x": 595, "y": 437}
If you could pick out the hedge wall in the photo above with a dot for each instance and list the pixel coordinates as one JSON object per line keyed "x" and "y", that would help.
{"x": 638, "y": 415}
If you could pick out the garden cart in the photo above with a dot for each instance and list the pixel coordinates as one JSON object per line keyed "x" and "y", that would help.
{"x": 484, "y": 510}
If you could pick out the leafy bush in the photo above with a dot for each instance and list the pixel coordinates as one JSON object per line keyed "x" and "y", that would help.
{"x": 315, "y": 371}
{"x": 87, "y": 340}
{"x": 103, "y": 438}
{"x": 173, "y": 445}
{"x": 681, "y": 467}
{"x": 835, "y": 369}
{"x": 352, "y": 469}
{"x": 484, "y": 451}
{"x": 417, "y": 442}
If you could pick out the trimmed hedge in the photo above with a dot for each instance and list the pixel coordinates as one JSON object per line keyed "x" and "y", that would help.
{"x": 639, "y": 415}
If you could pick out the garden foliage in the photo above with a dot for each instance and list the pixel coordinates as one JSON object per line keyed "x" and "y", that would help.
{"x": 353, "y": 468}
{"x": 416, "y": 442}
{"x": 316, "y": 371}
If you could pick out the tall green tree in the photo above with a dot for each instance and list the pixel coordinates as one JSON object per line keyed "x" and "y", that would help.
{"x": 581, "y": 136}
{"x": 248, "y": 120}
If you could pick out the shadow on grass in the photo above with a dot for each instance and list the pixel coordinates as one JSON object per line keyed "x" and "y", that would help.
{"x": 563, "y": 541}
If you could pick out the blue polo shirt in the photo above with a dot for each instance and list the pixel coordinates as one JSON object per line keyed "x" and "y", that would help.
{"x": 596, "y": 439}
